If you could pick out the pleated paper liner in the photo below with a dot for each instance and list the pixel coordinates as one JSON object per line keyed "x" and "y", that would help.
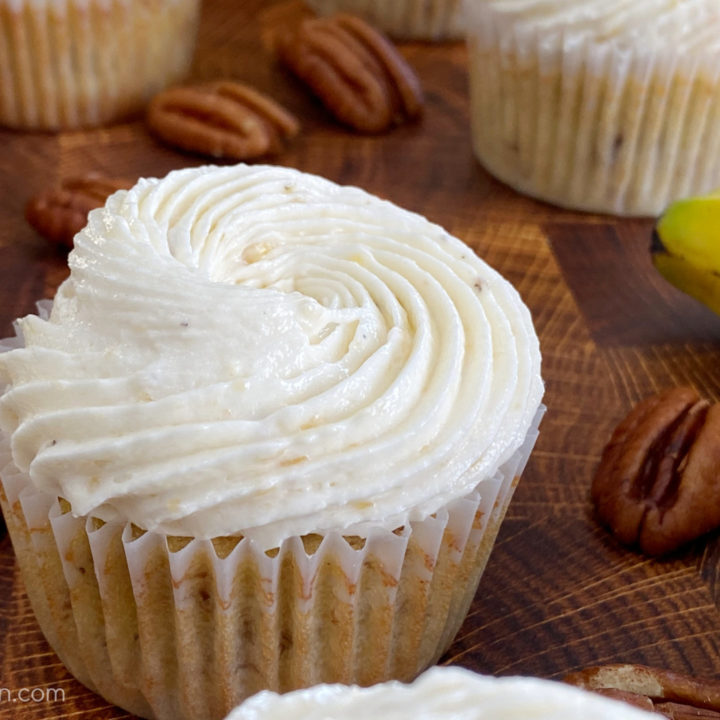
{"x": 80, "y": 63}
{"x": 183, "y": 628}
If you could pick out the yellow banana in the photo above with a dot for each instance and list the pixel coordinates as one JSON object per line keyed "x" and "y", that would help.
{"x": 686, "y": 247}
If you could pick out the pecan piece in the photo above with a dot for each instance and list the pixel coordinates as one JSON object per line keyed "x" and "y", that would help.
{"x": 60, "y": 213}
{"x": 222, "y": 119}
{"x": 355, "y": 71}
{"x": 657, "y": 484}
{"x": 675, "y": 695}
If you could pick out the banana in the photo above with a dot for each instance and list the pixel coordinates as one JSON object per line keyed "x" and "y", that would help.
{"x": 686, "y": 247}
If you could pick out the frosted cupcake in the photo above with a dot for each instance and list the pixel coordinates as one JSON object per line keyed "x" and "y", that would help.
{"x": 80, "y": 63}
{"x": 601, "y": 105}
{"x": 402, "y": 19}
{"x": 264, "y": 439}
{"x": 442, "y": 693}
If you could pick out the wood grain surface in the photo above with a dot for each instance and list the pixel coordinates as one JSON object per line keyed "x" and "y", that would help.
{"x": 558, "y": 593}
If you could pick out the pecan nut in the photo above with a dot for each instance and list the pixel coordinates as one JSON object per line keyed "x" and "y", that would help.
{"x": 222, "y": 119}
{"x": 675, "y": 695}
{"x": 355, "y": 71}
{"x": 58, "y": 214}
{"x": 657, "y": 485}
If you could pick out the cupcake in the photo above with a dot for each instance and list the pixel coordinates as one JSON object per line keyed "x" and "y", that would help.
{"x": 402, "y": 19}
{"x": 265, "y": 438}
{"x": 81, "y": 63}
{"x": 442, "y": 693}
{"x": 601, "y": 105}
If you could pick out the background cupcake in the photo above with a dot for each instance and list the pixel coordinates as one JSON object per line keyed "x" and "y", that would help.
{"x": 284, "y": 461}
{"x": 402, "y": 19}
{"x": 598, "y": 105}
{"x": 73, "y": 63}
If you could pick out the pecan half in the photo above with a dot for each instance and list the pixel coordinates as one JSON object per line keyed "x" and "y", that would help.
{"x": 657, "y": 484}
{"x": 58, "y": 214}
{"x": 674, "y": 695}
{"x": 355, "y": 71}
{"x": 221, "y": 119}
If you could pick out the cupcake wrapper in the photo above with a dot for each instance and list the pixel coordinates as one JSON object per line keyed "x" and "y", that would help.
{"x": 593, "y": 126}
{"x": 68, "y": 64}
{"x": 186, "y": 629}
{"x": 403, "y": 19}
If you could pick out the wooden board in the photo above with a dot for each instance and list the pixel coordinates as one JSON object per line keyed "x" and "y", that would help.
{"x": 558, "y": 593}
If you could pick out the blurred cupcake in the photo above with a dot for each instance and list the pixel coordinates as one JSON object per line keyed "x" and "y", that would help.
{"x": 600, "y": 105}
{"x": 73, "y": 64}
{"x": 265, "y": 439}
{"x": 442, "y": 693}
{"x": 402, "y": 19}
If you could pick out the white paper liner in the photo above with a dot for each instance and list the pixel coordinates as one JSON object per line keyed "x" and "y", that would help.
{"x": 79, "y": 63}
{"x": 593, "y": 126}
{"x": 436, "y": 20}
{"x": 187, "y": 633}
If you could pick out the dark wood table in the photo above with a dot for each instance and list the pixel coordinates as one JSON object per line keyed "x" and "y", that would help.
{"x": 558, "y": 594}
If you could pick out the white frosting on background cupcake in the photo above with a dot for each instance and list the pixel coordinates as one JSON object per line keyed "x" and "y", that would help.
{"x": 255, "y": 349}
{"x": 442, "y": 693}
{"x": 691, "y": 23}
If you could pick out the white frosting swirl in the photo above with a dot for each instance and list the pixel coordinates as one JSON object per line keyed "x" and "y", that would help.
{"x": 257, "y": 350}
{"x": 676, "y": 25}
{"x": 442, "y": 693}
